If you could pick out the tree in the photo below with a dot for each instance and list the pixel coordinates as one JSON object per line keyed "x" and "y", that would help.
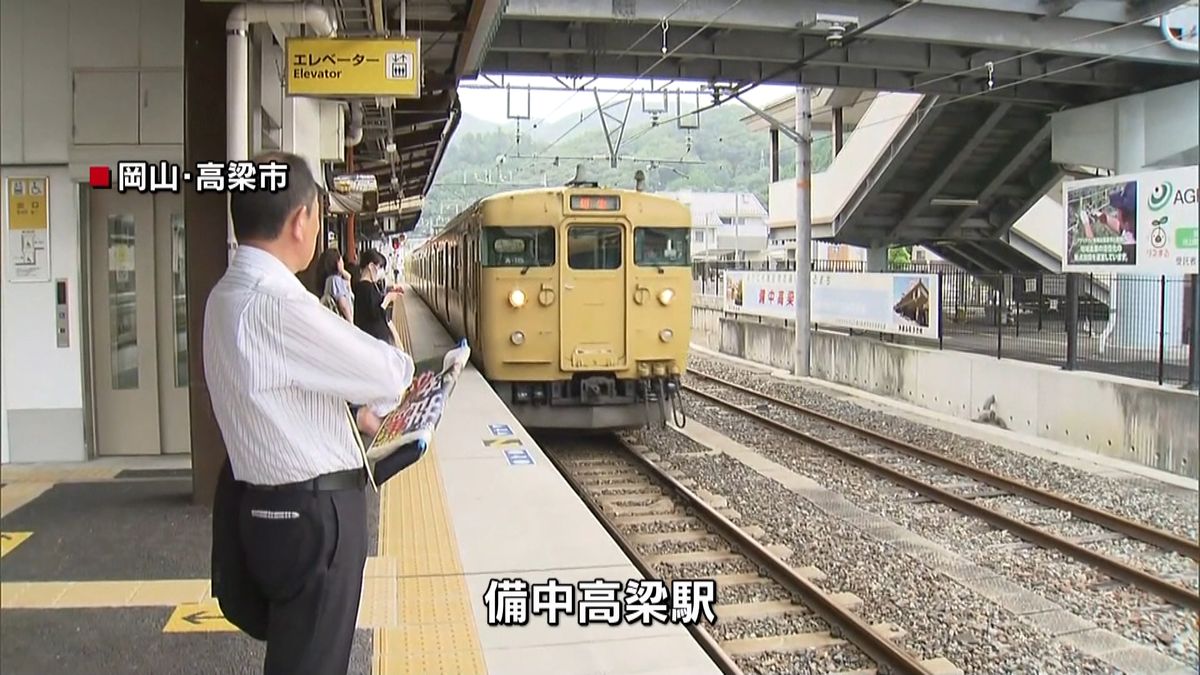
{"x": 899, "y": 256}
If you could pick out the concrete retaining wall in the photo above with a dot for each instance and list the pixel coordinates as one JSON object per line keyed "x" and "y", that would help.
{"x": 1141, "y": 422}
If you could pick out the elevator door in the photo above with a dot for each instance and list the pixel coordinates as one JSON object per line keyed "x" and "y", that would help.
{"x": 139, "y": 324}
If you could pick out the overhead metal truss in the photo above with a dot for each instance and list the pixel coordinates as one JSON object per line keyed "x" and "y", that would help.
{"x": 1084, "y": 50}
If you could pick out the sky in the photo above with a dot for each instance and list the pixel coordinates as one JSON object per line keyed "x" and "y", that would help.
{"x": 491, "y": 104}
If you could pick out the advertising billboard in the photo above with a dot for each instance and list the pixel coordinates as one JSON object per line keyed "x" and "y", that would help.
{"x": 1143, "y": 223}
{"x": 898, "y": 303}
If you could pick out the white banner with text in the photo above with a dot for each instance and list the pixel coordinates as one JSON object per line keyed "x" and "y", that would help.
{"x": 899, "y": 303}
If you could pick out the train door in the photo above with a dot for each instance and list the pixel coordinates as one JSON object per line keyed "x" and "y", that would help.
{"x": 470, "y": 293}
{"x": 138, "y": 323}
{"x": 592, "y": 310}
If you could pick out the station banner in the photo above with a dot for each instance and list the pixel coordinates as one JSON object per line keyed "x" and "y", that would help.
{"x": 1142, "y": 223}
{"x": 898, "y": 303}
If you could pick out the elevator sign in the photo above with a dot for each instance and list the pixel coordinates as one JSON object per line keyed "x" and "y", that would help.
{"x": 354, "y": 67}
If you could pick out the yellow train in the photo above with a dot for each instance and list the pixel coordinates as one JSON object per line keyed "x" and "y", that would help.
{"x": 576, "y": 301}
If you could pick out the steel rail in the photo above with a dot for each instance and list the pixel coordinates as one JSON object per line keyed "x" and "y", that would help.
{"x": 1174, "y": 593}
{"x": 883, "y": 651}
{"x": 1150, "y": 535}
{"x": 723, "y": 660}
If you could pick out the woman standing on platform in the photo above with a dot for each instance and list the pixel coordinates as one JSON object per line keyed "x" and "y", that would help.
{"x": 371, "y": 304}
{"x": 335, "y": 284}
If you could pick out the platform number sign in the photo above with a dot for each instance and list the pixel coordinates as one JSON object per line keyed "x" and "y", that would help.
{"x": 399, "y": 66}
{"x": 518, "y": 457}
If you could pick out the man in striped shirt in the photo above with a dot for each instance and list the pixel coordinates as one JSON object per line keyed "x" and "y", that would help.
{"x": 280, "y": 370}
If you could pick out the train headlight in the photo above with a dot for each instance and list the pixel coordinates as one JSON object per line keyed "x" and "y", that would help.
{"x": 518, "y": 338}
{"x": 516, "y": 298}
{"x": 666, "y": 334}
{"x": 665, "y": 296}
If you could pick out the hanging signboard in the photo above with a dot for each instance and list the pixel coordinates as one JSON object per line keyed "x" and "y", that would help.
{"x": 1144, "y": 223}
{"x": 354, "y": 67}
{"x": 28, "y": 216}
{"x": 354, "y": 193}
{"x": 903, "y": 304}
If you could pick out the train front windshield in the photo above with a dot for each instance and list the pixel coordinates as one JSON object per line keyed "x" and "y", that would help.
{"x": 662, "y": 246}
{"x": 518, "y": 246}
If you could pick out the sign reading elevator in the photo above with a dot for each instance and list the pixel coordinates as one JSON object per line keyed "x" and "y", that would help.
{"x": 354, "y": 67}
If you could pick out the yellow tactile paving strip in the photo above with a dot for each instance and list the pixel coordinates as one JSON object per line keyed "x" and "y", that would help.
{"x": 417, "y": 577}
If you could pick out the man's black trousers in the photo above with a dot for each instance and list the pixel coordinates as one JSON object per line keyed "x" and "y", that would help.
{"x": 305, "y": 550}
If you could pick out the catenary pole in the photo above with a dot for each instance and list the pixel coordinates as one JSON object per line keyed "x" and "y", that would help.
{"x": 802, "y": 360}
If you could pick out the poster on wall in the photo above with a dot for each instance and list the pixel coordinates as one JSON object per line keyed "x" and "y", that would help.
{"x": 898, "y": 303}
{"x": 1143, "y": 223}
{"x": 28, "y": 216}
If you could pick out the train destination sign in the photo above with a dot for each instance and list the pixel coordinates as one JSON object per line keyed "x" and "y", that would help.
{"x": 354, "y": 67}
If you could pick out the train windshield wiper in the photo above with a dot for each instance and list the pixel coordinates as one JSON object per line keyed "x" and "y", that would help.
{"x": 525, "y": 269}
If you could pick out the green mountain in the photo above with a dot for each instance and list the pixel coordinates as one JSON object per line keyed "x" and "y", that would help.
{"x": 721, "y": 155}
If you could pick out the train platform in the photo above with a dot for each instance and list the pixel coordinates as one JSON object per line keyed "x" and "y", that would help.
{"x": 105, "y": 564}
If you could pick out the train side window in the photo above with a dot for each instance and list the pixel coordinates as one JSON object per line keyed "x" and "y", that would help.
{"x": 661, "y": 246}
{"x": 594, "y": 247}
{"x": 518, "y": 247}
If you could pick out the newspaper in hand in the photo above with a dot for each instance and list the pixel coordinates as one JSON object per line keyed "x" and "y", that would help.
{"x": 406, "y": 432}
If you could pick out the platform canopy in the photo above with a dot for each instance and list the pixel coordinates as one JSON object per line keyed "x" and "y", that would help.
{"x": 403, "y": 143}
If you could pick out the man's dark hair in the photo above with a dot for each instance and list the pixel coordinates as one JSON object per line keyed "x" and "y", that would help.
{"x": 259, "y": 215}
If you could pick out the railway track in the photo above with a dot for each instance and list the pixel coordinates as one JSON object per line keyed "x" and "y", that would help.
{"x": 892, "y": 459}
{"x": 764, "y": 607}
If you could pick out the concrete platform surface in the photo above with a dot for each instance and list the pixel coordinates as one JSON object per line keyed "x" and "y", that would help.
{"x": 512, "y": 516}
{"x": 105, "y": 564}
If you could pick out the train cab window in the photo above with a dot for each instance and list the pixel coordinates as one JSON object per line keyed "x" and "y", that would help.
{"x": 661, "y": 247}
{"x": 594, "y": 247}
{"x": 518, "y": 247}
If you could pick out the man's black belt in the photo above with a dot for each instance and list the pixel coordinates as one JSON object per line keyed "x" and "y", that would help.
{"x": 351, "y": 479}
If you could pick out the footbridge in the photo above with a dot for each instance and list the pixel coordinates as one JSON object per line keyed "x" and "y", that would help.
{"x": 948, "y": 103}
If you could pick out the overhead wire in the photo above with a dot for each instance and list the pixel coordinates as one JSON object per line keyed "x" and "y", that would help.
{"x": 848, "y": 38}
{"x": 623, "y": 53}
{"x": 654, "y": 65}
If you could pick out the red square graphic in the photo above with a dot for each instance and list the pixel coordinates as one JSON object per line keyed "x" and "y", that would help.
{"x": 100, "y": 177}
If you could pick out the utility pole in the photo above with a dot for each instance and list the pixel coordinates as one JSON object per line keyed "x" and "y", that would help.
{"x": 803, "y": 356}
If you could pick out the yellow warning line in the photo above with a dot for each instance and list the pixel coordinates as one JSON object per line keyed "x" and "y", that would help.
{"x": 79, "y": 594}
{"x": 419, "y": 577}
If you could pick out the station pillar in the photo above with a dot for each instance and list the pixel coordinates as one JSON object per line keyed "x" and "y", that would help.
{"x": 877, "y": 259}
{"x": 205, "y": 246}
